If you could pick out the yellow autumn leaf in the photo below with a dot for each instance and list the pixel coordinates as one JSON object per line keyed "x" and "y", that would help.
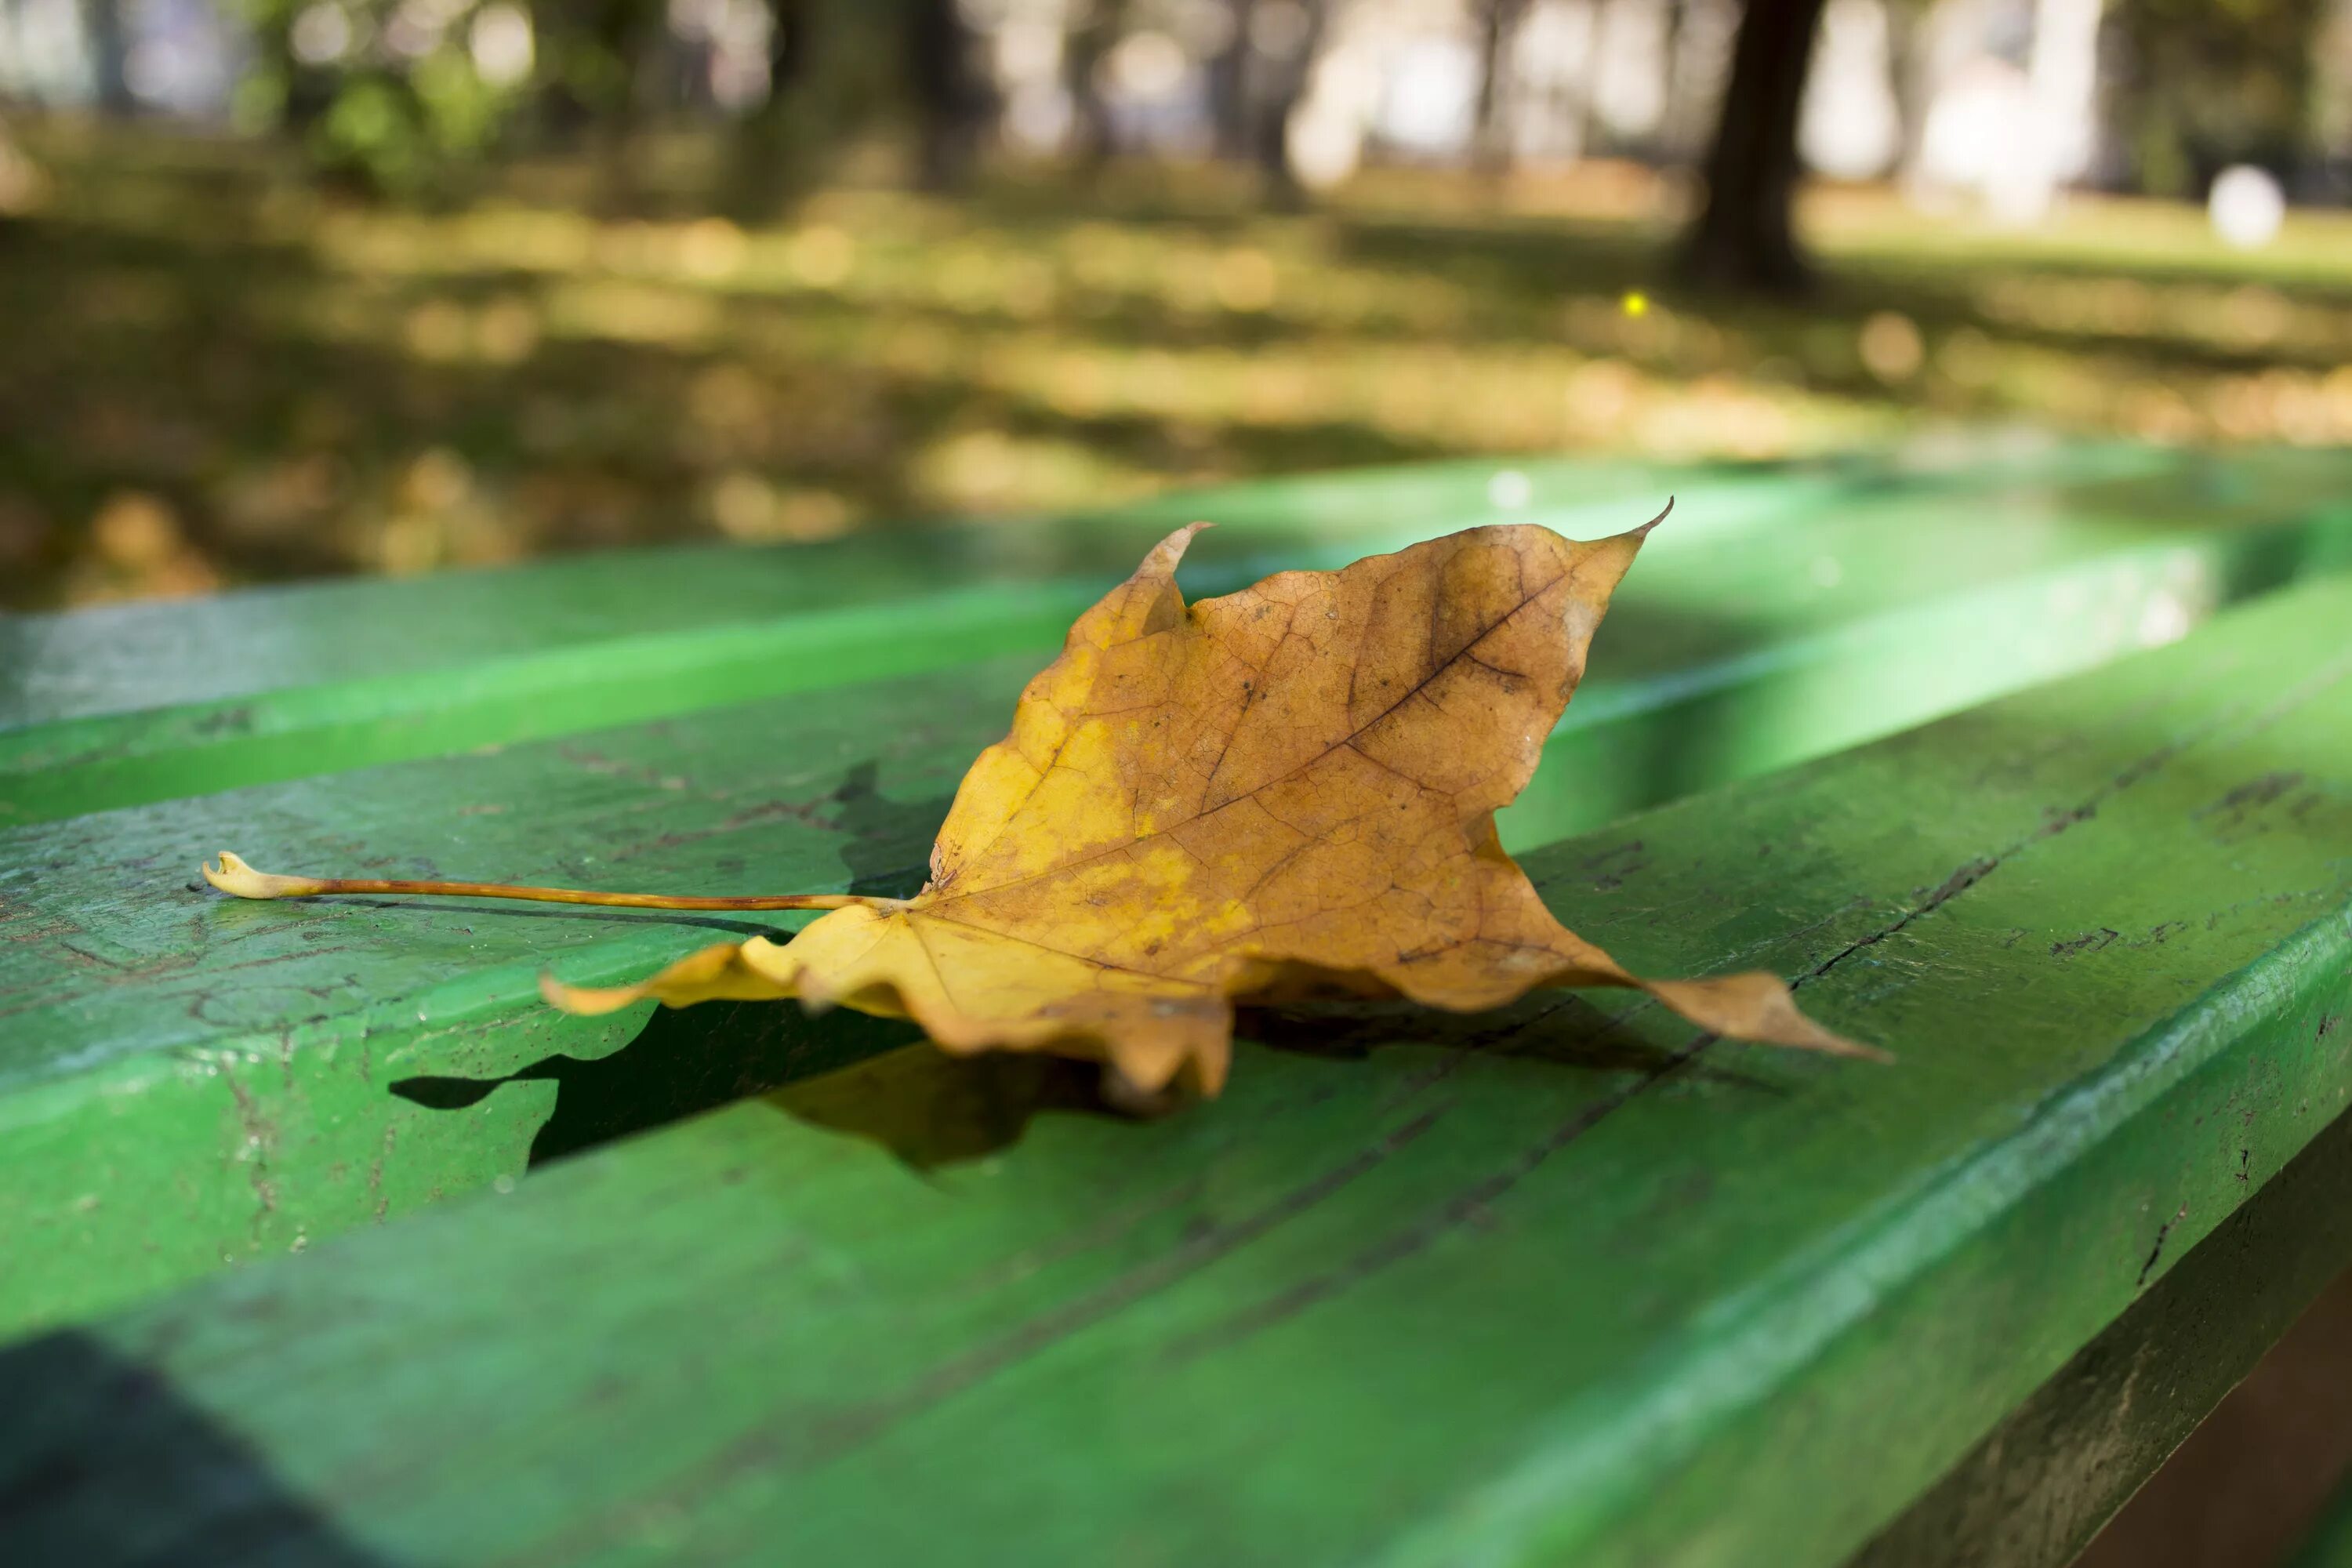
{"x": 1286, "y": 793}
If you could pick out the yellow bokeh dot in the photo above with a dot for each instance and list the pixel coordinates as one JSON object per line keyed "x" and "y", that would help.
{"x": 1636, "y": 302}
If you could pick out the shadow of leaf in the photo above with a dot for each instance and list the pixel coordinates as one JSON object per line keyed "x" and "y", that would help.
{"x": 931, "y": 1110}
{"x": 1556, "y": 1028}
{"x": 845, "y": 1072}
{"x": 888, "y": 852}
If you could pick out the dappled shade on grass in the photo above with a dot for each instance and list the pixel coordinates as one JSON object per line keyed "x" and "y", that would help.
{"x": 219, "y": 377}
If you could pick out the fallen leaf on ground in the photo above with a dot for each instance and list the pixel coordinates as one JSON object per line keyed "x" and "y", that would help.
{"x": 1286, "y": 793}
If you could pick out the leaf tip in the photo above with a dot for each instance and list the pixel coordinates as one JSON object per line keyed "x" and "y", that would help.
{"x": 1801, "y": 1032}
{"x": 585, "y": 1001}
{"x": 233, "y": 877}
{"x": 1838, "y": 1045}
{"x": 1170, "y": 550}
{"x": 1644, "y": 531}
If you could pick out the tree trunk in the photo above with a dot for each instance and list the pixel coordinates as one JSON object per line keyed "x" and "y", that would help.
{"x": 1093, "y": 138}
{"x": 1588, "y": 98}
{"x": 1907, "y": 63}
{"x": 1671, "y": 140}
{"x": 768, "y": 162}
{"x": 1288, "y": 84}
{"x": 947, "y": 97}
{"x": 1744, "y": 237}
{"x": 621, "y": 32}
{"x": 1229, "y": 84}
{"x": 1498, "y": 20}
{"x": 110, "y": 52}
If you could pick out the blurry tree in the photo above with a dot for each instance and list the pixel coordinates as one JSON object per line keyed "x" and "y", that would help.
{"x": 951, "y": 106}
{"x": 379, "y": 100}
{"x": 110, "y": 55}
{"x": 1588, "y": 93}
{"x": 267, "y": 97}
{"x": 1228, "y": 81}
{"x": 2332, "y": 97}
{"x": 1498, "y": 23}
{"x": 2200, "y": 84}
{"x": 603, "y": 52}
{"x": 1907, "y": 76}
{"x": 774, "y": 154}
{"x": 1289, "y": 49}
{"x": 837, "y": 69}
{"x": 1095, "y": 30}
{"x": 1670, "y": 93}
{"x": 1744, "y": 237}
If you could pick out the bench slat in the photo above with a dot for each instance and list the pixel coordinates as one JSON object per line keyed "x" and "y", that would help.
{"x": 2035, "y": 1492}
{"x": 186, "y": 1082}
{"x": 120, "y": 707}
{"x": 114, "y": 706}
{"x": 1559, "y": 1285}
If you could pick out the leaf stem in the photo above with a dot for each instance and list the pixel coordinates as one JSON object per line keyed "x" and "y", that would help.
{"x": 233, "y": 876}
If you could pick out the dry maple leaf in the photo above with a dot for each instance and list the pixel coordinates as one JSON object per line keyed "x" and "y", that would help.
{"x": 1284, "y": 793}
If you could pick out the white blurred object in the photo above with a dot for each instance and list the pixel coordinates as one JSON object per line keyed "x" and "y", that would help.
{"x": 739, "y": 35}
{"x": 1279, "y": 27}
{"x": 1848, "y": 127}
{"x": 1325, "y": 137}
{"x": 697, "y": 21}
{"x": 1431, "y": 97}
{"x": 1027, "y": 55}
{"x": 1553, "y": 68}
{"x": 1628, "y": 86}
{"x": 500, "y": 43}
{"x": 416, "y": 27}
{"x": 1147, "y": 66}
{"x": 1203, "y": 27}
{"x": 1510, "y": 490}
{"x": 2053, "y": 145}
{"x": 321, "y": 35}
{"x": 2245, "y": 207}
{"x": 1037, "y": 116}
{"x": 1966, "y": 135}
{"x": 1325, "y": 145}
{"x": 2010, "y": 137}
{"x": 1028, "y": 50}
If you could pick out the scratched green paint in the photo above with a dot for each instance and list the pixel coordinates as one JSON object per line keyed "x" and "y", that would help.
{"x": 1430, "y": 1290}
{"x": 238, "y": 1058}
{"x": 2038, "y": 1487}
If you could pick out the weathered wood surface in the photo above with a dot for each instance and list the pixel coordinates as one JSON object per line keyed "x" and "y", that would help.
{"x": 2045, "y": 1482}
{"x": 1563, "y": 1286}
{"x": 185, "y": 1082}
{"x": 189, "y": 1083}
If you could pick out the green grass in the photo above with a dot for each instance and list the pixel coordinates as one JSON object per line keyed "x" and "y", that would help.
{"x": 217, "y": 375}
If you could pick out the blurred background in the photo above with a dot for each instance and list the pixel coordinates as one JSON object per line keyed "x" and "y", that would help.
{"x": 300, "y": 287}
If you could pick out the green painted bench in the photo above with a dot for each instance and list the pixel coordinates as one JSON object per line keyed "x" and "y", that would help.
{"x": 1559, "y": 1285}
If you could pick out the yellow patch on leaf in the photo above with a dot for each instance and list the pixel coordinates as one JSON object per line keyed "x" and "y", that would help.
{"x": 1285, "y": 792}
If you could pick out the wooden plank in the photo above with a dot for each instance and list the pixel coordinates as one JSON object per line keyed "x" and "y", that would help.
{"x": 1561, "y": 1286}
{"x": 120, "y": 706}
{"x": 138, "y": 658}
{"x": 2034, "y": 1492}
{"x": 185, "y": 1083}
{"x": 125, "y": 706}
